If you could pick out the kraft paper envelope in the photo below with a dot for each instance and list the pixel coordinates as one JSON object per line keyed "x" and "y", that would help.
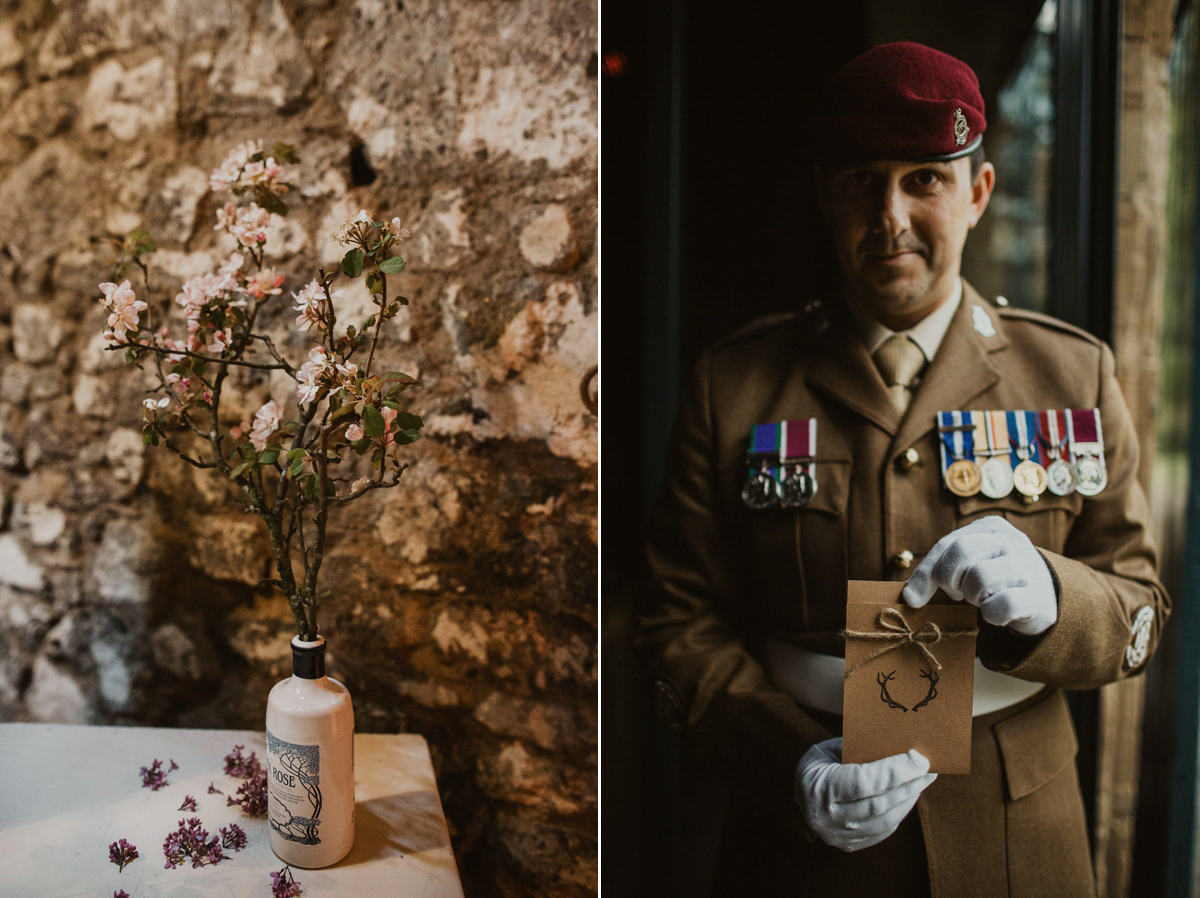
{"x": 901, "y": 698}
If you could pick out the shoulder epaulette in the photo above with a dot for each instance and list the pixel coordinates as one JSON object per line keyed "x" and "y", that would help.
{"x": 1011, "y": 313}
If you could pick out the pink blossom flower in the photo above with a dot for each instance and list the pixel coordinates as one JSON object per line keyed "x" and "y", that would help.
{"x": 389, "y": 415}
{"x": 123, "y": 306}
{"x": 219, "y": 342}
{"x": 359, "y": 484}
{"x": 266, "y": 422}
{"x": 247, "y": 224}
{"x": 348, "y": 372}
{"x": 399, "y": 231}
{"x": 264, "y": 283}
{"x": 354, "y": 433}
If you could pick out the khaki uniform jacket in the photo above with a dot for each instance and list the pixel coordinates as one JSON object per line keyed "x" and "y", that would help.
{"x": 725, "y": 576}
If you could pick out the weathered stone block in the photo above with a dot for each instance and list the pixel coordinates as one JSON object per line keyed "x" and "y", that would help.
{"x": 130, "y": 103}
{"x": 37, "y": 332}
{"x": 547, "y": 241}
{"x": 552, "y": 727}
{"x": 54, "y": 696}
{"x": 16, "y": 569}
{"x": 229, "y": 547}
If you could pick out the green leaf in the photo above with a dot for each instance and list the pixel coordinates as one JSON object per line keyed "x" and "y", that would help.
{"x": 403, "y": 300}
{"x": 269, "y": 201}
{"x": 296, "y": 467}
{"x": 352, "y": 262}
{"x": 394, "y": 265}
{"x": 149, "y": 438}
{"x": 296, "y": 453}
{"x": 409, "y": 421}
{"x": 343, "y": 411}
{"x": 376, "y": 458}
{"x": 369, "y": 323}
{"x": 284, "y": 152}
{"x": 374, "y": 281}
{"x": 239, "y": 470}
{"x": 268, "y": 457}
{"x": 361, "y": 446}
{"x": 404, "y": 437}
{"x": 373, "y": 423}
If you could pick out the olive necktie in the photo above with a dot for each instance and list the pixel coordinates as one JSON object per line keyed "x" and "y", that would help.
{"x": 899, "y": 360}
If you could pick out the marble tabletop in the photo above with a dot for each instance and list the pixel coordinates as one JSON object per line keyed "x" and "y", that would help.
{"x": 69, "y": 791}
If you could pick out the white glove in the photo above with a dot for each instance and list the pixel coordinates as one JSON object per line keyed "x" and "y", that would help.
{"x": 993, "y": 566}
{"x": 853, "y": 806}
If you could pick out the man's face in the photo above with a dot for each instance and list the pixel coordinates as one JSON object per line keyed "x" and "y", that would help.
{"x": 899, "y": 229}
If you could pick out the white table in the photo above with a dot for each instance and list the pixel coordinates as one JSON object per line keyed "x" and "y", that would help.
{"x": 68, "y": 791}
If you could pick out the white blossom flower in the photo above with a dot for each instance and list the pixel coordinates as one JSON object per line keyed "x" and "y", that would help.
{"x": 266, "y": 422}
{"x": 359, "y": 484}
{"x": 399, "y": 231}
{"x": 310, "y": 303}
{"x": 153, "y": 404}
{"x": 354, "y": 433}
{"x": 310, "y": 374}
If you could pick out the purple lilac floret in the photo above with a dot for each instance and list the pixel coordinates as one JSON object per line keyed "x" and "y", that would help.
{"x": 121, "y": 853}
{"x": 154, "y": 777}
{"x": 252, "y": 795}
{"x": 233, "y": 837}
{"x": 283, "y": 886}
{"x": 237, "y": 764}
{"x": 191, "y": 840}
{"x": 120, "y": 893}
{"x": 213, "y": 790}
{"x": 189, "y": 804}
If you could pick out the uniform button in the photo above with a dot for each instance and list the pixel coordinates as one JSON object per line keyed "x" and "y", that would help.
{"x": 903, "y": 560}
{"x": 1002, "y": 300}
{"x": 910, "y": 458}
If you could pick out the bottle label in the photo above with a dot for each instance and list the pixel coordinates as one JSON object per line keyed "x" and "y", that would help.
{"x": 293, "y": 775}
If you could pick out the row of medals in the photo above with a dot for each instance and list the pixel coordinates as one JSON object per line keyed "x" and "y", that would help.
{"x": 996, "y": 477}
{"x": 794, "y": 489}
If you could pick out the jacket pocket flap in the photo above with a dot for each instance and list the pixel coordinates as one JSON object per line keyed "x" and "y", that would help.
{"x": 1035, "y": 745}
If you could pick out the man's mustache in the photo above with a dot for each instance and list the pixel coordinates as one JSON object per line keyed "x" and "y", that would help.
{"x": 876, "y": 247}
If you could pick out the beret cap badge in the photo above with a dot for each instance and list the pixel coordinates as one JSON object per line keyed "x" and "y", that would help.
{"x": 961, "y": 129}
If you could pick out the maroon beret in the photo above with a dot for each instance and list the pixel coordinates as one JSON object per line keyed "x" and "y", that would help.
{"x": 902, "y": 101}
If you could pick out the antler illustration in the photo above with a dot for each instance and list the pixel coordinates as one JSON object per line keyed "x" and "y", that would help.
{"x": 932, "y": 677}
{"x": 883, "y": 680}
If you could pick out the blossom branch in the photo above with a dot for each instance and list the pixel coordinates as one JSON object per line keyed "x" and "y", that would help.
{"x": 162, "y": 350}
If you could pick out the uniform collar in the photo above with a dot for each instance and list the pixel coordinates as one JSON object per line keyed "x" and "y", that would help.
{"x": 961, "y": 370}
{"x": 927, "y": 333}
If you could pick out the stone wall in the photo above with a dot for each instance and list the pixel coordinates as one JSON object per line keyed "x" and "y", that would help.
{"x": 463, "y": 604}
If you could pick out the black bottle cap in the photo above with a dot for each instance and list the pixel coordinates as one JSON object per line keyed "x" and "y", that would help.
{"x": 308, "y": 658}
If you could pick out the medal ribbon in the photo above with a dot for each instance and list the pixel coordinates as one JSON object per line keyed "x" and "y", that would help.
{"x": 997, "y": 433}
{"x": 1051, "y": 431}
{"x": 798, "y": 440}
{"x": 765, "y": 438}
{"x": 1018, "y": 437}
{"x": 1085, "y": 425}
{"x": 958, "y": 437}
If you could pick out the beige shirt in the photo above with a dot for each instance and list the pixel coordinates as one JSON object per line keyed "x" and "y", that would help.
{"x": 927, "y": 333}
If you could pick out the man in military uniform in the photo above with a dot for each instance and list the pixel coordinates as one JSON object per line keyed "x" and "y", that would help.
{"x": 751, "y": 561}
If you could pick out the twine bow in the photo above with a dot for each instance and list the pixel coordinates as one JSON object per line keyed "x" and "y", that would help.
{"x": 900, "y": 633}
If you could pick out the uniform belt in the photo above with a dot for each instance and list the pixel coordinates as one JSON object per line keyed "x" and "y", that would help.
{"x": 815, "y": 680}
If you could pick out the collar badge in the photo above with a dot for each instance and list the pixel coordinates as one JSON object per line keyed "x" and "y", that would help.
{"x": 982, "y": 322}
